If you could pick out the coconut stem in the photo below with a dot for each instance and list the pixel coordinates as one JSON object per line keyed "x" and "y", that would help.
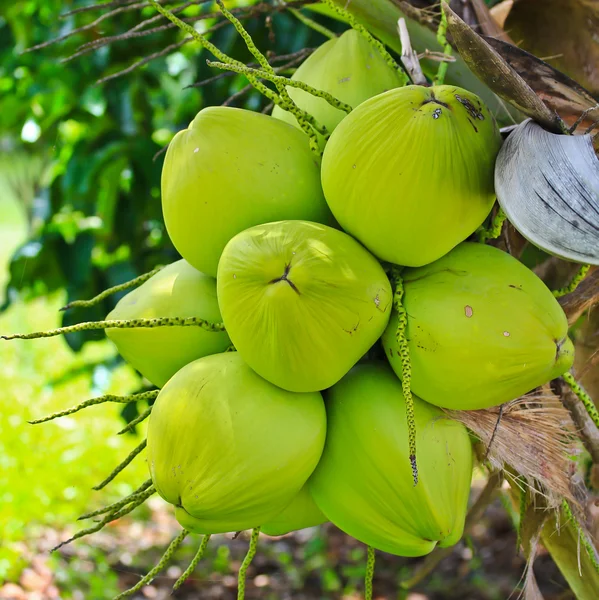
{"x": 582, "y": 536}
{"x": 409, "y": 58}
{"x": 406, "y": 369}
{"x": 144, "y": 415}
{"x": 305, "y": 120}
{"x": 122, "y": 466}
{"x": 583, "y": 397}
{"x": 193, "y": 564}
{"x": 99, "y": 400}
{"x": 447, "y": 50}
{"x": 113, "y": 290}
{"x": 120, "y": 324}
{"x": 246, "y": 563}
{"x": 146, "y": 489}
{"x": 494, "y": 231}
{"x": 347, "y": 16}
{"x": 312, "y": 24}
{"x": 369, "y": 573}
{"x": 153, "y": 572}
{"x": 112, "y": 516}
{"x": 576, "y": 280}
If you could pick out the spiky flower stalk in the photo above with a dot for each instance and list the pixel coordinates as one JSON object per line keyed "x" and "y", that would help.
{"x": 120, "y": 324}
{"x": 582, "y": 536}
{"x": 193, "y": 564}
{"x": 369, "y": 574}
{"x": 305, "y": 120}
{"x": 113, "y": 290}
{"x": 583, "y": 397}
{"x": 122, "y": 466}
{"x": 576, "y": 280}
{"x": 406, "y": 367}
{"x": 494, "y": 230}
{"x": 278, "y": 79}
{"x": 246, "y": 563}
{"x": 99, "y": 400}
{"x": 109, "y": 518}
{"x": 153, "y": 572}
{"x": 146, "y": 489}
{"x": 302, "y": 116}
{"x": 144, "y": 415}
{"x": 442, "y": 39}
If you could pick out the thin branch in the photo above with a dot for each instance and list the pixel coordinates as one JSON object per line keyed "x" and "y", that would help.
{"x": 244, "y": 90}
{"x": 134, "y": 32}
{"x": 83, "y": 28}
{"x": 99, "y": 6}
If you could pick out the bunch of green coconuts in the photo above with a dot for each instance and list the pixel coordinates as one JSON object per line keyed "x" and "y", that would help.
{"x": 311, "y": 265}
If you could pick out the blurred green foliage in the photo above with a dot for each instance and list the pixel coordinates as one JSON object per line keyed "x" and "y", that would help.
{"x": 47, "y": 471}
{"x": 82, "y": 157}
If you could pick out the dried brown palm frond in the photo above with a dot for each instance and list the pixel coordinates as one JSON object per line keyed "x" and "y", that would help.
{"x": 534, "y": 436}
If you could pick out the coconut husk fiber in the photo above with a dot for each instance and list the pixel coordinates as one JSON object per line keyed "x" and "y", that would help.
{"x": 534, "y": 435}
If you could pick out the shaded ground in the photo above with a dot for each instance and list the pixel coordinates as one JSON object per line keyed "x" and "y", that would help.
{"x": 320, "y": 563}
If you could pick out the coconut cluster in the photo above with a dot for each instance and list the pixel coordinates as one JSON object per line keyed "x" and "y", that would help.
{"x": 292, "y": 416}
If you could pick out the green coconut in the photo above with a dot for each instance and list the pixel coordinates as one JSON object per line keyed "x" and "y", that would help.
{"x": 363, "y": 482}
{"x": 301, "y": 513}
{"x": 409, "y": 173}
{"x": 230, "y": 170}
{"x": 482, "y": 329}
{"x": 228, "y": 449}
{"x": 302, "y": 302}
{"x": 350, "y": 69}
{"x": 178, "y": 290}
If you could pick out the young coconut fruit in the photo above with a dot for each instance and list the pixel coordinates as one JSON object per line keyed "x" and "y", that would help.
{"x": 178, "y": 290}
{"x": 233, "y": 169}
{"x": 349, "y": 68}
{"x": 300, "y": 514}
{"x": 409, "y": 173}
{"x": 228, "y": 449}
{"x": 482, "y": 329}
{"x": 363, "y": 482}
{"x": 302, "y": 302}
